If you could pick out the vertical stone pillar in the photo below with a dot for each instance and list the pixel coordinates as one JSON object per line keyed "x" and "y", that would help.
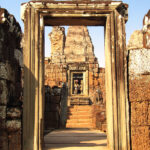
{"x": 109, "y": 86}
{"x": 57, "y": 38}
{"x": 121, "y": 87}
{"x": 33, "y": 79}
{"x": 116, "y": 89}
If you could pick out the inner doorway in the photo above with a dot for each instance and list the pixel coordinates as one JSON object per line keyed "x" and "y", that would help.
{"x": 80, "y": 81}
{"x": 84, "y": 105}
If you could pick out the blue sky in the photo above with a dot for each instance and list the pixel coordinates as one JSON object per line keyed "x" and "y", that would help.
{"x": 137, "y": 10}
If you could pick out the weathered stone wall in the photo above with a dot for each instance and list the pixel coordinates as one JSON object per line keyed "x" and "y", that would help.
{"x": 99, "y": 117}
{"x": 55, "y": 107}
{"x": 52, "y": 107}
{"x": 55, "y": 74}
{"x": 139, "y": 87}
{"x": 57, "y": 38}
{"x": 78, "y": 45}
{"x": 10, "y": 82}
{"x": 55, "y": 77}
{"x": 97, "y": 84}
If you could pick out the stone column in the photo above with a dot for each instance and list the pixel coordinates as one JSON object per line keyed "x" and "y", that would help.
{"x": 116, "y": 89}
{"x": 33, "y": 78}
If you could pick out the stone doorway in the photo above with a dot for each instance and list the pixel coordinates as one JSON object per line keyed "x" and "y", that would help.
{"x": 112, "y": 15}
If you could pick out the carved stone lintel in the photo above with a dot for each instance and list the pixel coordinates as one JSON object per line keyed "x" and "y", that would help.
{"x": 78, "y": 67}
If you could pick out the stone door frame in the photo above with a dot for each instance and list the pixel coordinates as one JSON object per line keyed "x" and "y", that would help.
{"x": 112, "y": 15}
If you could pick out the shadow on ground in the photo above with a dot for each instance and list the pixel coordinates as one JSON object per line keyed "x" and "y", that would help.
{"x": 75, "y": 139}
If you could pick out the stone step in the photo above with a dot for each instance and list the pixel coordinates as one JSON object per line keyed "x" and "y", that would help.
{"x": 76, "y": 110}
{"x": 88, "y": 116}
{"x": 80, "y": 108}
{"x": 81, "y": 113}
{"x": 79, "y": 125}
{"x": 79, "y": 121}
{"x": 79, "y": 117}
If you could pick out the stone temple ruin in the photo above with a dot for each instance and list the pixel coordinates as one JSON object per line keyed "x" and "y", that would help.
{"x": 126, "y": 75}
{"x": 73, "y": 65}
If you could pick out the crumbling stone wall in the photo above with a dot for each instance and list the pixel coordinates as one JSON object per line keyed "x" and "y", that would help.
{"x": 52, "y": 107}
{"x": 97, "y": 91}
{"x": 139, "y": 86}
{"x": 55, "y": 107}
{"x": 10, "y": 82}
{"x": 99, "y": 117}
{"x": 55, "y": 74}
{"x": 57, "y": 37}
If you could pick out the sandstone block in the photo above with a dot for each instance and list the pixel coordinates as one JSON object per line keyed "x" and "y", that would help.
{"x": 2, "y": 124}
{"x": 2, "y": 112}
{"x": 14, "y": 140}
{"x": 139, "y": 113}
{"x": 136, "y": 40}
{"x": 14, "y": 113}
{"x": 140, "y": 137}
{"x": 3, "y": 92}
{"x": 13, "y": 125}
{"x": 96, "y": 83}
{"x": 19, "y": 57}
{"x": 139, "y": 88}
{"x": 139, "y": 62}
{"x": 6, "y": 72}
{"x": 104, "y": 127}
{"x": 149, "y": 113}
{"x": 3, "y": 140}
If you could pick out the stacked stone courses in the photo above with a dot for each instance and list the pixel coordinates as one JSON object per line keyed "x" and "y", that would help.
{"x": 10, "y": 82}
{"x": 139, "y": 86}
